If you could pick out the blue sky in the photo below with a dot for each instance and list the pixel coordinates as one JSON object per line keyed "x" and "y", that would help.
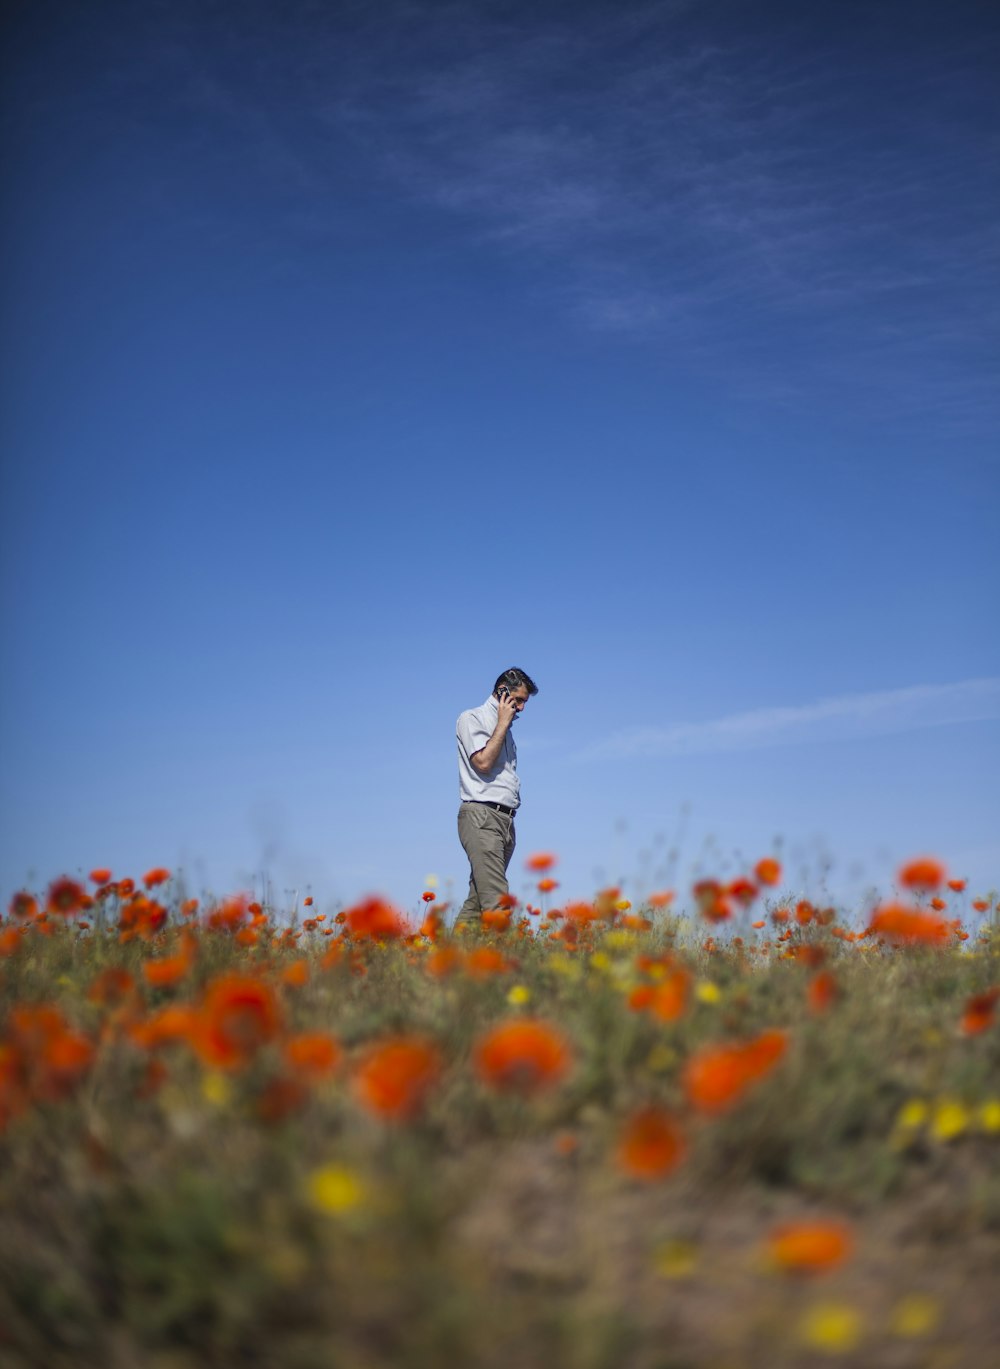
{"x": 353, "y": 353}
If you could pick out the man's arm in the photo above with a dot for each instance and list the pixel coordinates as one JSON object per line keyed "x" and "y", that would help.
{"x": 485, "y": 758}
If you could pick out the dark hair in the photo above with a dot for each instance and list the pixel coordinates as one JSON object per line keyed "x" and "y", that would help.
{"x": 514, "y": 678}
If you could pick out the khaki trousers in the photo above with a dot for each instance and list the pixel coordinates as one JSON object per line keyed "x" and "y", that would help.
{"x": 488, "y": 838}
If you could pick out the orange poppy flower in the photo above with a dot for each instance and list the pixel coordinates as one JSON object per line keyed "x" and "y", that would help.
{"x": 768, "y": 871}
{"x": 10, "y": 940}
{"x": 810, "y": 1247}
{"x": 111, "y": 986}
{"x": 758, "y": 924}
{"x": 922, "y": 873}
{"x": 23, "y": 905}
{"x": 443, "y": 961}
{"x": 908, "y": 926}
{"x": 640, "y": 998}
{"x": 176, "y": 1022}
{"x": 374, "y": 920}
{"x": 957, "y": 885}
{"x": 295, "y": 974}
{"x": 662, "y": 899}
{"x": 808, "y": 954}
{"x": 239, "y": 1014}
{"x": 524, "y": 1056}
{"x": 65, "y": 897}
{"x": 822, "y": 993}
{"x": 125, "y": 887}
{"x": 307, "y": 902}
{"x": 313, "y": 1055}
{"x": 743, "y": 890}
{"x": 396, "y": 1076}
{"x": 670, "y": 996}
{"x": 485, "y": 961}
{"x": 66, "y": 1059}
{"x": 980, "y": 1012}
{"x": 540, "y": 862}
{"x": 496, "y": 919}
{"x": 168, "y": 970}
{"x": 981, "y": 904}
{"x": 938, "y": 904}
{"x": 650, "y": 1145}
{"x": 158, "y": 875}
{"x": 432, "y": 925}
{"x": 101, "y": 876}
{"x": 545, "y": 886}
{"x": 717, "y": 1077}
{"x": 804, "y": 912}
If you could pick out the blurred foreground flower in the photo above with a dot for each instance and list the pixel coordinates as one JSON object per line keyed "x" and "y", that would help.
{"x": 396, "y": 1075}
{"x": 717, "y": 1077}
{"x": 810, "y": 1247}
{"x": 525, "y": 1056}
{"x": 334, "y": 1189}
{"x": 904, "y": 926}
{"x": 650, "y": 1145}
{"x": 832, "y": 1327}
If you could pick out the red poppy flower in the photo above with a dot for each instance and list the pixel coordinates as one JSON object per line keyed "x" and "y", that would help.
{"x": 651, "y": 1145}
{"x": 810, "y": 1247}
{"x": 980, "y": 1012}
{"x": 65, "y": 897}
{"x": 822, "y": 993}
{"x": 922, "y": 873}
{"x": 239, "y": 1014}
{"x": 314, "y": 1055}
{"x": 768, "y": 871}
{"x": 540, "y": 862}
{"x": 23, "y": 905}
{"x": 374, "y": 920}
{"x": 523, "y": 1056}
{"x": 396, "y": 1076}
{"x": 158, "y": 875}
{"x": 908, "y": 926}
{"x": 717, "y": 1077}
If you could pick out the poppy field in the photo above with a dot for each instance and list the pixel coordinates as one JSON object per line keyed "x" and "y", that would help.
{"x": 723, "y": 1126}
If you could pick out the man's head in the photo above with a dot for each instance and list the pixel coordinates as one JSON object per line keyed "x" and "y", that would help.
{"x": 518, "y": 685}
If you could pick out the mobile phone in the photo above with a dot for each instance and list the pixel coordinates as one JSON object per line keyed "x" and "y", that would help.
{"x": 503, "y": 692}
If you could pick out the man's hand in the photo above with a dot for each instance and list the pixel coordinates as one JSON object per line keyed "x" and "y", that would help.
{"x": 506, "y": 711}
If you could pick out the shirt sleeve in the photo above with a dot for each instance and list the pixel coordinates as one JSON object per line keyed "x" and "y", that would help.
{"x": 472, "y": 735}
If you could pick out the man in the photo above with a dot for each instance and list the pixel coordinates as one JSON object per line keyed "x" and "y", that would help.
{"x": 489, "y": 790}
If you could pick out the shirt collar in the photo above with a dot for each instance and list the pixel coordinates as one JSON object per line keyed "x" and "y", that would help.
{"x": 492, "y": 703}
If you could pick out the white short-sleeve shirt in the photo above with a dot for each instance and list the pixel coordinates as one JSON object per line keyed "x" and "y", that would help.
{"x": 500, "y": 785}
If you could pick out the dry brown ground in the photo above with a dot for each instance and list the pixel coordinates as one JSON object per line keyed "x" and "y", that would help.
{"x": 544, "y": 1222}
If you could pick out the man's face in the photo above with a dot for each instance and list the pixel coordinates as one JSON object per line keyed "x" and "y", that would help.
{"x": 519, "y": 697}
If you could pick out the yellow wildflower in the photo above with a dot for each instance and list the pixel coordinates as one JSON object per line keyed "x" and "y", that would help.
{"x": 215, "y": 1089}
{"x": 989, "y": 1115}
{"x": 914, "y": 1316}
{"x": 518, "y": 996}
{"x": 565, "y": 965}
{"x": 335, "y": 1189}
{"x": 833, "y": 1327}
{"x": 950, "y": 1119}
{"x": 913, "y": 1115}
{"x": 707, "y": 992}
{"x": 675, "y": 1259}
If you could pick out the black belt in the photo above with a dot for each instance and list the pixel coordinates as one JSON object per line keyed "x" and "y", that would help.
{"x": 500, "y": 807}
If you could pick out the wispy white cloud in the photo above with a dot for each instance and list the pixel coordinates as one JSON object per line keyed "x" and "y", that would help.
{"x": 783, "y": 206}
{"x": 841, "y": 716}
